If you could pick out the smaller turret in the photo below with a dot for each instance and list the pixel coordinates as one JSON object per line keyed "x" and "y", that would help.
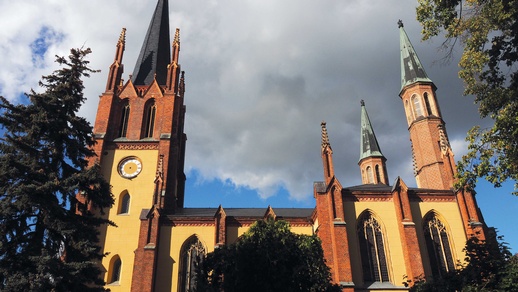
{"x": 117, "y": 68}
{"x": 372, "y": 161}
{"x": 327, "y": 155}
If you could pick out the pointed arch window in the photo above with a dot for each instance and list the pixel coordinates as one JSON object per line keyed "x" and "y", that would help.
{"x": 370, "y": 177}
{"x": 124, "y": 206}
{"x": 438, "y": 245}
{"x": 427, "y": 103}
{"x": 372, "y": 249}
{"x": 408, "y": 112}
{"x": 418, "y": 109}
{"x": 191, "y": 259}
{"x": 115, "y": 270}
{"x": 123, "y": 126}
{"x": 378, "y": 175}
{"x": 148, "y": 125}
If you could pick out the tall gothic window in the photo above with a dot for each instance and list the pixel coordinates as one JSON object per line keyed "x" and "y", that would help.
{"x": 370, "y": 176}
{"x": 115, "y": 274}
{"x": 148, "y": 125}
{"x": 427, "y": 103}
{"x": 372, "y": 249}
{"x": 378, "y": 176}
{"x": 438, "y": 245}
{"x": 408, "y": 112}
{"x": 191, "y": 259}
{"x": 418, "y": 109}
{"x": 123, "y": 127}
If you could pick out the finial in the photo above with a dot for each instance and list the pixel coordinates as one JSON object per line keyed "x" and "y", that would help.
{"x": 400, "y": 23}
{"x": 325, "y": 138}
{"x": 176, "y": 36}
{"x": 362, "y": 103}
{"x": 122, "y": 37}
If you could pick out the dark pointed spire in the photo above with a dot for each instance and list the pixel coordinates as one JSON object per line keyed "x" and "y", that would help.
{"x": 411, "y": 69}
{"x": 368, "y": 142}
{"x": 155, "y": 54}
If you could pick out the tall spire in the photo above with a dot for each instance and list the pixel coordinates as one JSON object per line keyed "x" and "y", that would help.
{"x": 155, "y": 54}
{"x": 411, "y": 69}
{"x": 368, "y": 143}
{"x": 434, "y": 164}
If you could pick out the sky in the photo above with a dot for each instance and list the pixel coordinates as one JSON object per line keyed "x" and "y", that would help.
{"x": 260, "y": 78}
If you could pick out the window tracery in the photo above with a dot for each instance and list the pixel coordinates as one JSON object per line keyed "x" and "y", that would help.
{"x": 372, "y": 249}
{"x": 438, "y": 245}
{"x": 191, "y": 258}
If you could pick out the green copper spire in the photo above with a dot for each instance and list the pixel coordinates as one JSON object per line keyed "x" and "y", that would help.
{"x": 155, "y": 54}
{"x": 368, "y": 143}
{"x": 411, "y": 69}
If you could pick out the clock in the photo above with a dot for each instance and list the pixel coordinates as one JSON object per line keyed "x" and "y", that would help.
{"x": 130, "y": 167}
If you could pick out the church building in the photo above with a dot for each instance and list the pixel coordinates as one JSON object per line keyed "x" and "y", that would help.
{"x": 373, "y": 234}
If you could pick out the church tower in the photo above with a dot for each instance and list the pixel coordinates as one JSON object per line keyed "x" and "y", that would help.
{"x": 434, "y": 165}
{"x": 140, "y": 145}
{"x": 372, "y": 161}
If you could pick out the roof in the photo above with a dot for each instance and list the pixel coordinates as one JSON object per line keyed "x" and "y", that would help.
{"x": 368, "y": 143}
{"x": 245, "y": 212}
{"x": 411, "y": 69}
{"x": 155, "y": 54}
{"x": 385, "y": 188}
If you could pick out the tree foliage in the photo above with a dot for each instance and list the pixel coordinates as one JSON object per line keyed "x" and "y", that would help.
{"x": 48, "y": 238}
{"x": 490, "y": 266}
{"x": 268, "y": 257}
{"x": 488, "y": 32}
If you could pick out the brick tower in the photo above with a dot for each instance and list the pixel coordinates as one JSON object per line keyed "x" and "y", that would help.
{"x": 434, "y": 165}
{"x": 141, "y": 149}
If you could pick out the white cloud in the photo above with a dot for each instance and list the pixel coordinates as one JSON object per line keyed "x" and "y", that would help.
{"x": 261, "y": 76}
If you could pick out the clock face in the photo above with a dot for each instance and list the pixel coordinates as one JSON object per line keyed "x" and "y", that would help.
{"x": 130, "y": 167}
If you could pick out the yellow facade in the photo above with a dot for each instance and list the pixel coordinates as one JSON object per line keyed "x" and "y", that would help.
{"x": 172, "y": 240}
{"x": 122, "y": 240}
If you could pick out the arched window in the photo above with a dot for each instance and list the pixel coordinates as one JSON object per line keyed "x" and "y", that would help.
{"x": 123, "y": 127}
{"x": 372, "y": 249}
{"x": 438, "y": 245}
{"x": 427, "y": 103}
{"x": 370, "y": 177}
{"x": 191, "y": 259}
{"x": 115, "y": 270}
{"x": 418, "y": 110}
{"x": 408, "y": 112}
{"x": 124, "y": 203}
{"x": 148, "y": 125}
{"x": 378, "y": 176}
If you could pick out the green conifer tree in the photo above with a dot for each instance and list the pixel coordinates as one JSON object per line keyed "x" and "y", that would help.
{"x": 48, "y": 233}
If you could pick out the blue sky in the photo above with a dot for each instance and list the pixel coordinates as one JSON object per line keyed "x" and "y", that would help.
{"x": 260, "y": 77}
